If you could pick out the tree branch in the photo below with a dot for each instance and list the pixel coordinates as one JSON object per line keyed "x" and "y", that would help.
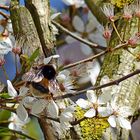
{"x": 4, "y": 15}
{"x": 95, "y": 56}
{"x": 115, "y": 82}
{"x": 90, "y": 44}
{"x": 4, "y": 7}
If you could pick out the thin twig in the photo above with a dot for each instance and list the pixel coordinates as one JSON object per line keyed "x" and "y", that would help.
{"x": 95, "y": 56}
{"x": 4, "y": 15}
{"x": 78, "y": 121}
{"x": 4, "y": 7}
{"x": 85, "y": 60}
{"x": 114, "y": 26}
{"x": 92, "y": 45}
{"x": 115, "y": 82}
{"x": 7, "y": 108}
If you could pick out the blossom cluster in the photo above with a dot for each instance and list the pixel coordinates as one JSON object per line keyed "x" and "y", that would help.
{"x": 36, "y": 97}
{"x": 102, "y": 105}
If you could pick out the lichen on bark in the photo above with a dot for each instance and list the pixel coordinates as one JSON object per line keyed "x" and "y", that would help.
{"x": 117, "y": 64}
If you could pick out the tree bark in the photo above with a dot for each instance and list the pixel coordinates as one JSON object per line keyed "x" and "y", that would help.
{"x": 36, "y": 34}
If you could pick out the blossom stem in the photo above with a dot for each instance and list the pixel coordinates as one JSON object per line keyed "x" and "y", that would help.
{"x": 92, "y": 45}
{"x": 114, "y": 26}
{"x": 115, "y": 82}
{"x": 125, "y": 30}
{"x": 5, "y": 73}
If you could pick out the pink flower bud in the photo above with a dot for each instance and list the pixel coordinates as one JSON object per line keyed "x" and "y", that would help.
{"x": 107, "y": 34}
{"x": 16, "y": 50}
{"x": 127, "y": 16}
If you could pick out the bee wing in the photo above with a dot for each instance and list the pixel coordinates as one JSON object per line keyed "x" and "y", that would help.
{"x": 39, "y": 76}
{"x": 29, "y": 76}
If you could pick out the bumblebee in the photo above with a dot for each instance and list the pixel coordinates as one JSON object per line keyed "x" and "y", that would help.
{"x": 40, "y": 80}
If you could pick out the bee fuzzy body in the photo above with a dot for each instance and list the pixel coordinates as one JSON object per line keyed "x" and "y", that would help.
{"x": 39, "y": 80}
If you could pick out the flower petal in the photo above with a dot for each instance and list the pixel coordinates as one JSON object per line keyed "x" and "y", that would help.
{"x": 83, "y": 103}
{"x": 65, "y": 125}
{"x": 22, "y": 113}
{"x": 70, "y": 40}
{"x": 90, "y": 113}
{"x": 53, "y": 109}
{"x": 104, "y": 98}
{"x": 68, "y": 2}
{"x": 66, "y": 116}
{"x": 124, "y": 123}
{"x": 105, "y": 111}
{"x": 38, "y": 106}
{"x": 97, "y": 37}
{"x": 112, "y": 120}
{"x": 78, "y": 24}
{"x": 28, "y": 101}
{"x": 86, "y": 50}
{"x": 47, "y": 60}
{"x": 90, "y": 26}
{"x": 23, "y": 90}
{"x": 105, "y": 79}
{"x": 91, "y": 95}
{"x": 70, "y": 109}
{"x": 11, "y": 91}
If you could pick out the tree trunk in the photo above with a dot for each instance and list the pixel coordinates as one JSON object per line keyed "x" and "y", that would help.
{"x": 36, "y": 34}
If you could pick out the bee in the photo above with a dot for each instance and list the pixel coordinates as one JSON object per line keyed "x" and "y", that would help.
{"x": 41, "y": 80}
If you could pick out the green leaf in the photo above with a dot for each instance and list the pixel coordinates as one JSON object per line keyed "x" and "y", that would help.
{"x": 4, "y": 115}
{"x": 4, "y": 95}
{"x": 34, "y": 56}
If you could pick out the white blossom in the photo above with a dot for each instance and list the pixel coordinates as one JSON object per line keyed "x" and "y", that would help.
{"x": 93, "y": 69}
{"x": 93, "y": 103}
{"x": 66, "y": 117}
{"x": 119, "y": 116}
{"x": 52, "y": 109}
{"x": 92, "y": 30}
{"x": 21, "y": 111}
{"x": 137, "y": 9}
{"x": 48, "y": 59}
{"x": 16, "y": 123}
{"x": 11, "y": 90}
{"x": 66, "y": 81}
{"x": 128, "y": 11}
{"x": 77, "y": 3}
{"x": 108, "y": 10}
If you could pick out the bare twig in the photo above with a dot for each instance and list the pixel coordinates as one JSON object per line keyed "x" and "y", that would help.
{"x": 4, "y": 15}
{"x": 95, "y": 56}
{"x": 4, "y": 7}
{"x": 115, "y": 82}
{"x": 85, "y": 60}
{"x": 92, "y": 45}
{"x": 7, "y": 108}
